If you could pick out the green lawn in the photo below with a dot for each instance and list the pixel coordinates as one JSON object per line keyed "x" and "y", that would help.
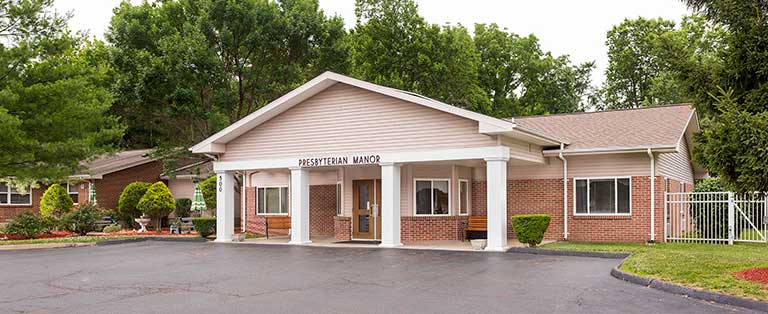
{"x": 85, "y": 239}
{"x": 704, "y": 266}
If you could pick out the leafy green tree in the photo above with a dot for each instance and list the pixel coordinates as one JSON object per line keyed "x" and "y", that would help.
{"x": 734, "y": 99}
{"x": 127, "y": 204}
{"x": 521, "y": 79}
{"x": 187, "y": 68}
{"x": 157, "y": 203}
{"x": 55, "y": 201}
{"x": 646, "y": 58}
{"x": 53, "y": 95}
{"x": 208, "y": 187}
{"x": 393, "y": 45}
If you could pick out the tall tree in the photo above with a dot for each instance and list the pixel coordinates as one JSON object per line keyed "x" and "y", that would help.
{"x": 188, "y": 68}
{"x": 646, "y": 56}
{"x": 394, "y": 46}
{"x": 521, "y": 79}
{"x": 53, "y": 95}
{"x": 734, "y": 142}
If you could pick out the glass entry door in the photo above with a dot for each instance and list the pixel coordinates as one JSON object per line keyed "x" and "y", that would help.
{"x": 366, "y": 211}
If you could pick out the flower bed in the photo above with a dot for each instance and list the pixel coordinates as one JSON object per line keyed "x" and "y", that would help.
{"x": 759, "y": 275}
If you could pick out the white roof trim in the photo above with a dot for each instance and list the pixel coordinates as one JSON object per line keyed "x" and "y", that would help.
{"x": 612, "y": 150}
{"x": 216, "y": 143}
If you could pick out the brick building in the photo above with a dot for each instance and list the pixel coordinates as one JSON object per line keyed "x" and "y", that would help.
{"x": 351, "y": 160}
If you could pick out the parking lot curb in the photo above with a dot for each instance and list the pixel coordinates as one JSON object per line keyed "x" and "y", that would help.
{"x": 142, "y": 239}
{"x": 661, "y": 285}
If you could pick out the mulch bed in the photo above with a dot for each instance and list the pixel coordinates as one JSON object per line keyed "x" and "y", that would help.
{"x": 759, "y": 275}
{"x": 55, "y": 234}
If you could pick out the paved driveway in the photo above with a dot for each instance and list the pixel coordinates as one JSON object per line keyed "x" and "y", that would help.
{"x": 162, "y": 277}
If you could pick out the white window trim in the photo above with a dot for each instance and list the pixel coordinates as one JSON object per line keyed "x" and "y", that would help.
{"x": 288, "y": 208}
{"x": 615, "y": 201}
{"x": 340, "y": 199}
{"x": 69, "y": 193}
{"x": 467, "y": 196}
{"x": 432, "y": 197}
{"x": 8, "y": 198}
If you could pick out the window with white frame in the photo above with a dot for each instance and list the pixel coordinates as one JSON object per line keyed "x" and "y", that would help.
{"x": 463, "y": 197}
{"x": 603, "y": 196}
{"x": 338, "y": 199}
{"x": 432, "y": 196}
{"x": 11, "y": 196}
{"x": 73, "y": 191}
{"x": 272, "y": 200}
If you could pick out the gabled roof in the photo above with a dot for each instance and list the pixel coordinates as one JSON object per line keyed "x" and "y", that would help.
{"x": 115, "y": 162}
{"x": 487, "y": 125}
{"x": 660, "y": 128}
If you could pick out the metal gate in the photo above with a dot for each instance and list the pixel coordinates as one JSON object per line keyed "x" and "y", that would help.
{"x": 716, "y": 217}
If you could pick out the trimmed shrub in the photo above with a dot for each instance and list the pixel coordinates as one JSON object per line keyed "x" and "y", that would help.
{"x": 113, "y": 228}
{"x": 128, "y": 201}
{"x": 50, "y": 224}
{"x": 83, "y": 219}
{"x": 183, "y": 206}
{"x": 204, "y": 225}
{"x": 530, "y": 228}
{"x": 55, "y": 201}
{"x": 208, "y": 187}
{"x": 157, "y": 202}
{"x": 26, "y": 225}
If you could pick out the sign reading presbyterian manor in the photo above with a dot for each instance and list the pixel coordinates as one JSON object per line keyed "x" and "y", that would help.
{"x": 340, "y": 161}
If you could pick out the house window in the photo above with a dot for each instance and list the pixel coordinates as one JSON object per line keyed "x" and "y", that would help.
{"x": 432, "y": 196}
{"x": 73, "y": 191}
{"x": 272, "y": 200}
{"x": 11, "y": 196}
{"x": 603, "y": 196}
{"x": 463, "y": 197}
{"x": 338, "y": 199}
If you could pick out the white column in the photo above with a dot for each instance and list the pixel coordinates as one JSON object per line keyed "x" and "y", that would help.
{"x": 299, "y": 206}
{"x": 225, "y": 206}
{"x": 390, "y": 207}
{"x": 496, "y": 186}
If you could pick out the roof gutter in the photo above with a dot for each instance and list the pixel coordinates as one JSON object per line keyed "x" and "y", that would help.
{"x": 611, "y": 150}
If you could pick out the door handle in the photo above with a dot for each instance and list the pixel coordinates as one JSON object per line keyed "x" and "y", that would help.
{"x": 368, "y": 205}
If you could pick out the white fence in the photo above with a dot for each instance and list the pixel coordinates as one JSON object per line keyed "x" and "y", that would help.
{"x": 716, "y": 217}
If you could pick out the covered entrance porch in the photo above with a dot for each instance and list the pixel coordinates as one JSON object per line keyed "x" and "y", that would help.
{"x": 392, "y": 198}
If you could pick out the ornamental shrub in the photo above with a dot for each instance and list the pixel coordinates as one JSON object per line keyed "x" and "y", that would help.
{"x": 530, "y": 228}
{"x": 26, "y": 225}
{"x": 55, "y": 201}
{"x": 204, "y": 225}
{"x": 208, "y": 187}
{"x": 113, "y": 228}
{"x": 183, "y": 206}
{"x": 83, "y": 219}
{"x": 129, "y": 199}
{"x": 157, "y": 203}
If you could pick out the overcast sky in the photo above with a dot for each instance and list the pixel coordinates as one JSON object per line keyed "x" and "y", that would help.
{"x": 575, "y": 28}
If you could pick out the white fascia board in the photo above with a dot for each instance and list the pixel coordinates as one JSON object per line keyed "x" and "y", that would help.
{"x": 612, "y": 150}
{"x": 390, "y": 157}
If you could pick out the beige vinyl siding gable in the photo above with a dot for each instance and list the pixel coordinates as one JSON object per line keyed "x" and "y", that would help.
{"x": 346, "y": 119}
{"x": 676, "y": 165}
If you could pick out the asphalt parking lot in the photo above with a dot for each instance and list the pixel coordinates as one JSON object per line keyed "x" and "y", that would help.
{"x": 174, "y": 277}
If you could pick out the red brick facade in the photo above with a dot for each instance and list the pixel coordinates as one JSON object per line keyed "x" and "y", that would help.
{"x": 108, "y": 189}
{"x": 342, "y": 227}
{"x": 322, "y": 212}
{"x": 426, "y": 228}
{"x": 7, "y": 212}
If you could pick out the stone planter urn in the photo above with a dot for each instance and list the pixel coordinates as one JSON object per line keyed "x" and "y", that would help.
{"x": 143, "y": 221}
{"x": 478, "y": 244}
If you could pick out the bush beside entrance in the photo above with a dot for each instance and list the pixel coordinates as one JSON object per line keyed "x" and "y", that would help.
{"x": 530, "y": 229}
{"x": 204, "y": 225}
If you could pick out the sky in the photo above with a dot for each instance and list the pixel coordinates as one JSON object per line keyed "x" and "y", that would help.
{"x": 564, "y": 27}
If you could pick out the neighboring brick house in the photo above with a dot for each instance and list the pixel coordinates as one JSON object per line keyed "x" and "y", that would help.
{"x": 351, "y": 160}
{"x": 110, "y": 175}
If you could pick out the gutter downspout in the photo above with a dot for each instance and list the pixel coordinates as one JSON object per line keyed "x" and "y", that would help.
{"x": 242, "y": 202}
{"x": 653, "y": 196}
{"x": 565, "y": 192}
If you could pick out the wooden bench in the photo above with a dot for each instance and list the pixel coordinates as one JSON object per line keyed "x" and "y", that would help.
{"x": 278, "y": 222}
{"x": 105, "y": 221}
{"x": 476, "y": 223}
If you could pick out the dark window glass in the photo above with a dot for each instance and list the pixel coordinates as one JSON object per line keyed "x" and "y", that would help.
{"x": 440, "y": 190}
{"x": 284, "y": 200}
{"x": 602, "y": 198}
{"x": 423, "y": 197}
{"x": 260, "y": 200}
{"x": 463, "y": 197}
{"x": 623, "y": 196}
{"x": 581, "y": 196}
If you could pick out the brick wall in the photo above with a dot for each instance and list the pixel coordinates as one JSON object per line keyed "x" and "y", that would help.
{"x": 536, "y": 197}
{"x": 7, "y": 212}
{"x": 322, "y": 211}
{"x": 342, "y": 227}
{"x": 109, "y": 188}
{"x": 426, "y": 228}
